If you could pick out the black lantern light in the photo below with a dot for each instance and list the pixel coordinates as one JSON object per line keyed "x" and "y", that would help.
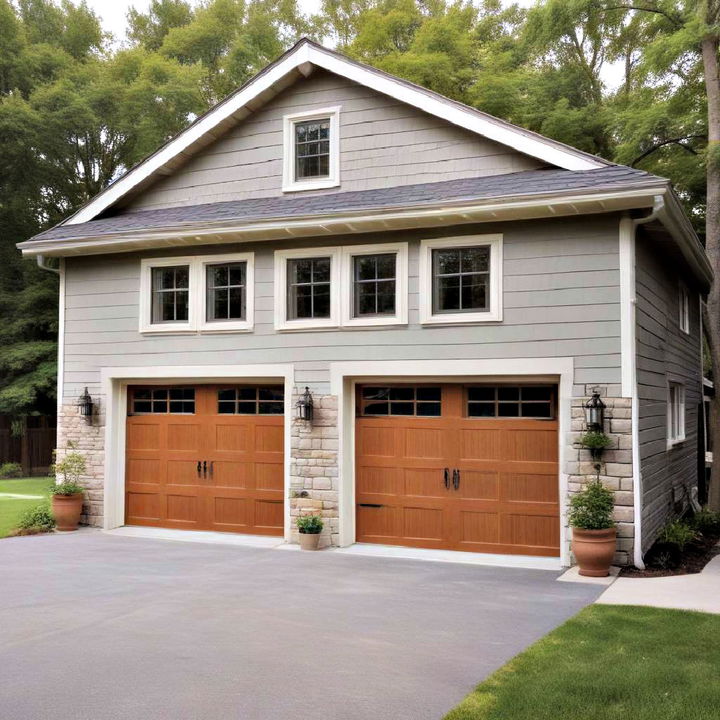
{"x": 305, "y": 406}
{"x": 595, "y": 412}
{"x": 85, "y": 404}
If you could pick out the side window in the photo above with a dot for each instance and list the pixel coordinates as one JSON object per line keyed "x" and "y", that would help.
{"x": 675, "y": 413}
{"x": 171, "y": 294}
{"x": 684, "y": 309}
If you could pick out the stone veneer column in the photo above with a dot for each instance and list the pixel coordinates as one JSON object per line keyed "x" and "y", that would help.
{"x": 314, "y": 468}
{"x": 89, "y": 440}
{"x": 616, "y": 472}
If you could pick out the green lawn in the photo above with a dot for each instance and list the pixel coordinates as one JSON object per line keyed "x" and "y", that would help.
{"x": 609, "y": 663}
{"x": 12, "y": 508}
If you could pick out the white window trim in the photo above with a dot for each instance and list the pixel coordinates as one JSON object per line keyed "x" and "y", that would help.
{"x": 223, "y": 326}
{"x": 401, "y": 278}
{"x": 290, "y": 184}
{"x": 672, "y": 441}
{"x": 683, "y": 308}
{"x": 197, "y": 296}
{"x": 146, "y": 268}
{"x": 495, "y": 313}
{"x": 280, "y": 276}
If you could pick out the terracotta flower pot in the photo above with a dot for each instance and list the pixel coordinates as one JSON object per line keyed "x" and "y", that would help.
{"x": 67, "y": 510}
{"x": 309, "y": 541}
{"x": 594, "y": 550}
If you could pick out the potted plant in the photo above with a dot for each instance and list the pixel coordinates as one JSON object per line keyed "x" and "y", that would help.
{"x": 593, "y": 537}
{"x": 67, "y": 494}
{"x": 595, "y": 441}
{"x": 310, "y": 527}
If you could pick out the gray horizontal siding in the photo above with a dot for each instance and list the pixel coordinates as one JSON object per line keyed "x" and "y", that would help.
{"x": 561, "y": 299}
{"x": 664, "y": 351}
{"x": 382, "y": 140}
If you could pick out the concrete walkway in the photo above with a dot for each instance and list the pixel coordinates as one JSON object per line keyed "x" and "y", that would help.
{"x": 682, "y": 592}
{"x": 100, "y": 627}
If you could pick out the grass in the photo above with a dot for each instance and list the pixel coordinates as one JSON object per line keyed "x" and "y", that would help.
{"x": 609, "y": 663}
{"x": 12, "y": 508}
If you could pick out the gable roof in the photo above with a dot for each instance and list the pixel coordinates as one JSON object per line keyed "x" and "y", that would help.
{"x": 297, "y": 62}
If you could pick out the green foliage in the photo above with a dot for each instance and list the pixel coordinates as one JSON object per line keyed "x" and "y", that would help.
{"x": 706, "y": 521}
{"x": 37, "y": 519}
{"x": 10, "y": 470}
{"x": 69, "y": 469}
{"x": 595, "y": 440}
{"x": 310, "y": 524}
{"x": 678, "y": 533}
{"x": 592, "y": 507}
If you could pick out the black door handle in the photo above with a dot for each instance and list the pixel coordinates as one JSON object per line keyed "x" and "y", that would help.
{"x": 447, "y": 479}
{"x": 456, "y": 479}
{"x": 199, "y": 467}
{"x": 212, "y": 467}
{"x": 204, "y": 468}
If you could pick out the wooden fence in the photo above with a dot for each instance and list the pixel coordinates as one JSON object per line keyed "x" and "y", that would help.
{"x": 32, "y": 448}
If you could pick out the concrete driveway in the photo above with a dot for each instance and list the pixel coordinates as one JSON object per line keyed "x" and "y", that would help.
{"x": 94, "y": 627}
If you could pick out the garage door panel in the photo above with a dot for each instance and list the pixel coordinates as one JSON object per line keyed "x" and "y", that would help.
{"x": 377, "y": 442}
{"x": 229, "y": 474}
{"x": 479, "y": 444}
{"x": 144, "y": 471}
{"x": 269, "y": 476}
{"x": 423, "y": 482}
{"x": 531, "y": 488}
{"x": 141, "y": 505}
{"x": 230, "y": 511}
{"x": 269, "y": 438}
{"x": 183, "y": 437}
{"x": 182, "y": 472}
{"x": 479, "y": 485}
{"x": 530, "y": 445}
{"x": 269, "y": 514}
{"x": 232, "y": 438}
{"x": 182, "y": 508}
{"x": 479, "y": 527}
{"x": 143, "y": 436}
{"x": 426, "y": 443}
{"x": 378, "y": 523}
{"x": 423, "y": 523}
{"x": 539, "y": 531}
{"x": 379, "y": 480}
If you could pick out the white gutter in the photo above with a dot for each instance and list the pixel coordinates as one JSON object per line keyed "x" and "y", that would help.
{"x": 42, "y": 264}
{"x": 628, "y": 320}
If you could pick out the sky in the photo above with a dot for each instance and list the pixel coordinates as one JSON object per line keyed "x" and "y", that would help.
{"x": 113, "y": 16}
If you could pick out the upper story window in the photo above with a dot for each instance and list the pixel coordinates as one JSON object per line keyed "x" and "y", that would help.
{"x": 189, "y": 294}
{"x": 336, "y": 287}
{"x": 684, "y": 308}
{"x": 675, "y": 413}
{"x": 311, "y": 150}
{"x": 461, "y": 279}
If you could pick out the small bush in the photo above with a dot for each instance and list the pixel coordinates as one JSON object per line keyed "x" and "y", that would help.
{"x": 10, "y": 470}
{"x": 310, "y": 524}
{"x": 69, "y": 470}
{"x": 595, "y": 440}
{"x": 66, "y": 488}
{"x": 707, "y": 522}
{"x": 592, "y": 507}
{"x": 37, "y": 519}
{"x": 679, "y": 533}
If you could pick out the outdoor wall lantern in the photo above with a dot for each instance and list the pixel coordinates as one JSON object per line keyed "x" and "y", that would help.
{"x": 595, "y": 413}
{"x": 85, "y": 404}
{"x": 305, "y": 406}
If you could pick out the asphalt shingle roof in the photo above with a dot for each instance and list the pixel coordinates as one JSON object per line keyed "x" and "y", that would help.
{"x": 519, "y": 184}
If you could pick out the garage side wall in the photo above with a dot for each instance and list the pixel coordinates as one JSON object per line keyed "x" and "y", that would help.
{"x": 664, "y": 353}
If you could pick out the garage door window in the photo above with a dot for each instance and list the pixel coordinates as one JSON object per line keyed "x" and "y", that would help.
{"x": 251, "y": 401}
{"x": 401, "y": 400}
{"x": 174, "y": 400}
{"x": 511, "y": 401}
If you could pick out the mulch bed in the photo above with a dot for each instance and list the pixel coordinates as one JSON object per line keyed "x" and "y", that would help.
{"x": 696, "y": 556}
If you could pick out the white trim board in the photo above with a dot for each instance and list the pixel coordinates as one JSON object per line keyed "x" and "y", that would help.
{"x": 295, "y": 62}
{"x": 345, "y": 375}
{"x": 114, "y": 383}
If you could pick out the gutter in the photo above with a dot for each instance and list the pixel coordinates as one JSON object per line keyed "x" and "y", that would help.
{"x": 42, "y": 264}
{"x": 631, "y": 379}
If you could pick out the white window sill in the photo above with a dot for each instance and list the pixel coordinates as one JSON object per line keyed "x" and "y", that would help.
{"x": 223, "y": 328}
{"x": 674, "y": 443}
{"x": 168, "y": 330}
{"x": 299, "y": 325}
{"x": 462, "y": 319}
{"x": 319, "y": 184}
{"x": 379, "y": 321}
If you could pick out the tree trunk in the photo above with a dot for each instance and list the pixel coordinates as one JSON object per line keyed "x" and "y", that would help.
{"x": 710, "y": 46}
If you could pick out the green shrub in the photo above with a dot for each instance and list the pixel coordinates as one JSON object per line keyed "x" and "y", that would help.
{"x": 678, "y": 533}
{"x": 69, "y": 470}
{"x": 37, "y": 519}
{"x": 595, "y": 440}
{"x": 592, "y": 507}
{"x": 310, "y": 524}
{"x": 10, "y": 470}
{"x": 66, "y": 488}
{"x": 707, "y": 522}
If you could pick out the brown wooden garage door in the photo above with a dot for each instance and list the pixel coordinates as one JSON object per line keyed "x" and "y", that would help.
{"x": 205, "y": 458}
{"x": 458, "y": 467}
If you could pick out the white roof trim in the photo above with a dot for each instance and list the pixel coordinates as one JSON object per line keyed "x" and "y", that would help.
{"x": 297, "y": 59}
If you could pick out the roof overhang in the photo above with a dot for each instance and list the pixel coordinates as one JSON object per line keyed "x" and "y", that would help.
{"x": 300, "y": 61}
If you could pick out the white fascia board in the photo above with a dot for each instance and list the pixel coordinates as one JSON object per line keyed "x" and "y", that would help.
{"x": 297, "y": 60}
{"x": 498, "y": 209}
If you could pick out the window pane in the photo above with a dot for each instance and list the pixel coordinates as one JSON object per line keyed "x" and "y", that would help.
{"x": 402, "y": 408}
{"x": 312, "y": 149}
{"x": 226, "y": 394}
{"x": 481, "y": 409}
{"x": 300, "y": 270}
{"x": 270, "y": 408}
{"x": 428, "y": 409}
{"x": 376, "y": 409}
{"x": 446, "y": 261}
{"x": 321, "y": 270}
{"x": 402, "y": 393}
{"x": 386, "y": 298}
{"x": 177, "y": 406}
{"x": 375, "y": 393}
{"x": 448, "y": 297}
{"x": 474, "y": 292}
{"x": 476, "y": 259}
{"x": 218, "y": 275}
{"x": 236, "y": 303}
{"x": 481, "y": 393}
{"x": 142, "y": 394}
{"x": 321, "y": 301}
{"x": 508, "y": 410}
{"x": 159, "y": 406}
{"x": 271, "y": 394}
{"x": 536, "y": 409}
{"x": 365, "y": 267}
{"x": 247, "y": 393}
{"x": 365, "y": 299}
{"x": 428, "y": 393}
{"x": 247, "y": 408}
{"x": 386, "y": 265}
{"x": 181, "y": 305}
{"x": 142, "y": 406}
{"x": 536, "y": 392}
{"x": 226, "y": 408}
{"x": 508, "y": 393}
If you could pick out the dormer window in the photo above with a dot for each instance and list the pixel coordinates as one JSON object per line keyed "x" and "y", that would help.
{"x": 311, "y": 150}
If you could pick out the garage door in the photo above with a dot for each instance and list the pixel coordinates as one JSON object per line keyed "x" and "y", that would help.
{"x": 205, "y": 458}
{"x": 458, "y": 467}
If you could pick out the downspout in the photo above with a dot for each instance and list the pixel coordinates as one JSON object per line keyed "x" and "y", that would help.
{"x": 628, "y": 234}
{"x": 42, "y": 264}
